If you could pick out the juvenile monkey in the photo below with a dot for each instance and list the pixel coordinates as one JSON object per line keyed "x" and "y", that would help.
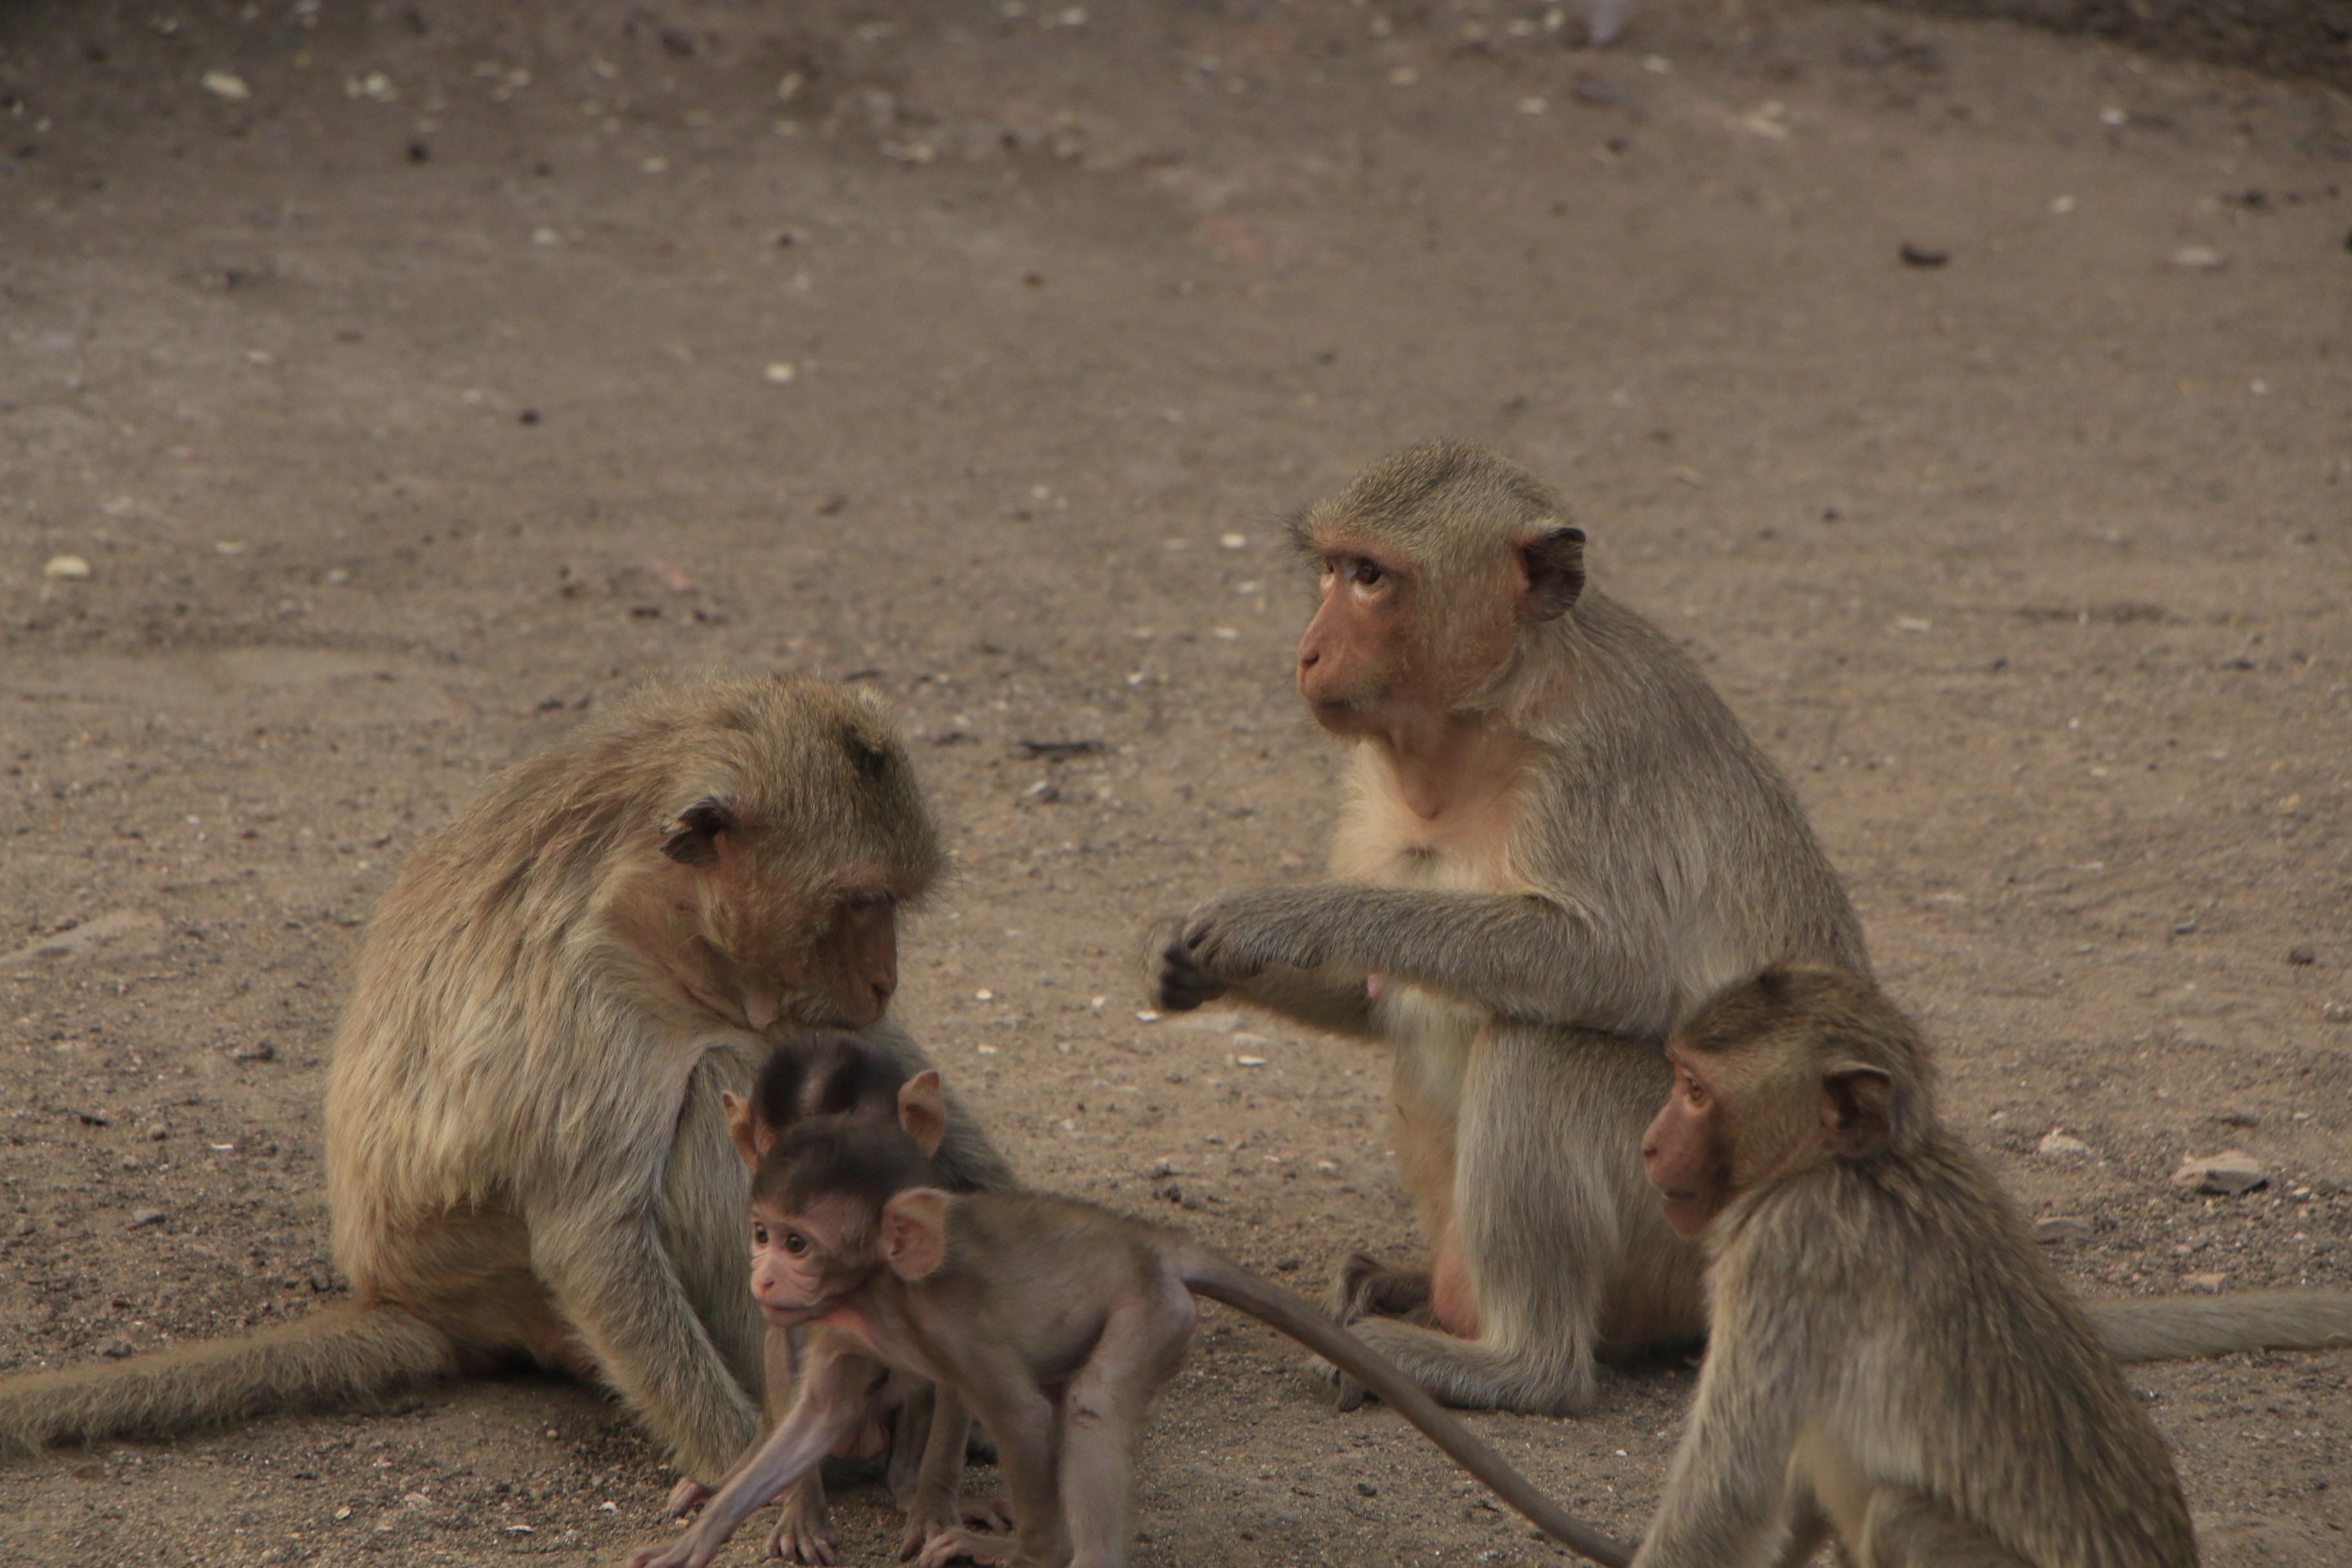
{"x": 527, "y": 1155}
{"x": 1053, "y": 1321}
{"x": 1893, "y": 1363}
{"x": 840, "y": 1078}
{"x": 1556, "y": 842}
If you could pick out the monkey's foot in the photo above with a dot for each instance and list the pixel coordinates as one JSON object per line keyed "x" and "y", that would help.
{"x": 1365, "y": 1286}
{"x": 805, "y": 1534}
{"x": 987, "y": 1548}
{"x": 992, "y": 1514}
{"x": 684, "y": 1497}
{"x": 1346, "y": 1393}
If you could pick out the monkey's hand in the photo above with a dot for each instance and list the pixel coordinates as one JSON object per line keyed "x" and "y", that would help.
{"x": 688, "y": 1551}
{"x": 805, "y": 1532}
{"x": 1238, "y": 935}
{"x": 684, "y": 1497}
{"x": 985, "y": 1548}
{"x": 1174, "y": 981}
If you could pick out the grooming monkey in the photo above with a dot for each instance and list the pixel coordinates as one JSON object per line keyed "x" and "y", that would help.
{"x": 1556, "y": 842}
{"x": 839, "y": 1078}
{"x": 1054, "y": 1321}
{"x": 526, "y": 1156}
{"x": 1894, "y": 1362}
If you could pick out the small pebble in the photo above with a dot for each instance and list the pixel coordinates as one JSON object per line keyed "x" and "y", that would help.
{"x": 2055, "y": 1144}
{"x": 2197, "y": 257}
{"x": 781, "y": 372}
{"x": 260, "y": 1051}
{"x": 228, "y": 85}
{"x": 2061, "y": 1227}
{"x": 69, "y": 567}
{"x": 146, "y": 1217}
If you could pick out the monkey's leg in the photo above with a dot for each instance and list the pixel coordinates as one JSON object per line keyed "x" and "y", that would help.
{"x": 1025, "y": 1423}
{"x": 1905, "y": 1528}
{"x": 1365, "y": 1286}
{"x": 1550, "y": 1209}
{"x": 931, "y": 1498}
{"x": 1142, "y": 1343}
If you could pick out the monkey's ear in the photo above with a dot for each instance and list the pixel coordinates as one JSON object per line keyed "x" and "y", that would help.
{"x": 1857, "y": 1110}
{"x": 1554, "y": 564}
{"x": 915, "y": 1232}
{"x": 694, "y": 836}
{"x": 923, "y": 1110}
{"x": 741, "y": 1127}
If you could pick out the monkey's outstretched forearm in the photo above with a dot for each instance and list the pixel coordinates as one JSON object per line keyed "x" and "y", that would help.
{"x": 1207, "y": 1274}
{"x": 831, "y": 1402}
{"x": 1524, "y": 955}
{"x": 2173, "y": 1328}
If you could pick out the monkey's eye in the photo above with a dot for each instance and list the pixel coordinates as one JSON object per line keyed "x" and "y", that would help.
{"x": 759, "y": 1236}
{"x": 795, "y": 1242}
{"x": 1364, "y": 571}
{"x": 870, "y": 899}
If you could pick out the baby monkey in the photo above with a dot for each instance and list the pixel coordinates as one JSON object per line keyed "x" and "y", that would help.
{"x": 1892, "y": 1363}
{"x": 1056, "y": 1323}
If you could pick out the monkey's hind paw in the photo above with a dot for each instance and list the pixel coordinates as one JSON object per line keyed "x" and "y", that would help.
{"x": 684, "y": 1497}
{"x": 987, "y": 1513}
{"x": 986, "y": 1548}
{"x": 1346, "y": 1393}
{"x": 800, "y": 1541}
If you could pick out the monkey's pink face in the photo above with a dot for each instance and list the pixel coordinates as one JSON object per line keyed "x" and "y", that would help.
{"x": 1354, "y": 650}
{"x": 1685, "y": 1150}
{"x": 802, "y": 1265}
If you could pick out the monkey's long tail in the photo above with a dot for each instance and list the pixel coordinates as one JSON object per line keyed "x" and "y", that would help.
{"x": 1221, "y": 1279}
{"x": 338, "y": 1355}
{"x": 2174, "y": 1328}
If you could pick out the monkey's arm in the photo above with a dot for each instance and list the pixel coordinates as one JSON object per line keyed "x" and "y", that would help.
{"x": 1729, "y": 1501}
{"x": 832, "y": 1402}
{"x": 1527, "y": 955}
{"x": 614, "y": 1281}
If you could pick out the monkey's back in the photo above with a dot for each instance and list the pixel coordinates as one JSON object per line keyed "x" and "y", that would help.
{"x": 1009, "y": 1252}
{"x": 1953, "y": 1359}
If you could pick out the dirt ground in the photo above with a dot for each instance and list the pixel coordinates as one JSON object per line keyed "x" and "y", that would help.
{"x": 409, "y": 379}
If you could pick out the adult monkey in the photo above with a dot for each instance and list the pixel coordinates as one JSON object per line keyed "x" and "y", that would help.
{"x": 1556, "y": 842}
{"x": 527, "y": 1154}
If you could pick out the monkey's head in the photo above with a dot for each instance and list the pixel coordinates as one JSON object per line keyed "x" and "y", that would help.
{"x": 1438, "y": 568}
{"x": 793, "y": 835}
{"x": 836, "y": 1077}
{"x": 1776, "y": 1075}
{"x": 835, "y": 1199}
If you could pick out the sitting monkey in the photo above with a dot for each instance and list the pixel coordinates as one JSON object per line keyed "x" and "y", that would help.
{"x": 1893, "y": 1363}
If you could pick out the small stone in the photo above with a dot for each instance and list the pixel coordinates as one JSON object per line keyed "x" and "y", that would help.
{"x": 2227, "y": 1174}
{"x": 2052, "y": 1229}
{"x": 782, "y": 373}
{"x": 2300, "y": 955}
{"x": 146, "y": 1217}
{"x": 2198, "y": 259}
{"x": 65, "y": 568}
{"x": 2337, "y": 1012}
{"x": 260, "y": 1051}
{"x": 228, "y": 85}
{"x": 157, "y": 1132}
{"x": 2232, "y": 1116}
{"x": 1920, "y": 256}
{"x": 1366, "y": 1488}
{"x": 2208, "y": 1283}
{"x": 2058, "y": 1146}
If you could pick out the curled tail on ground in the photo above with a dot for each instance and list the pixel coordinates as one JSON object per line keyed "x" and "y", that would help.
{"x": 340, "y": 1354}
{"x": 2173, "y": 1328}
{"x": 1220, "y": 1279}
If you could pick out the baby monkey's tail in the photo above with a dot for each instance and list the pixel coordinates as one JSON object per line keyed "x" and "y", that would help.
{"x": 1221, "y": 1280}
{"x": 338, "y": 1355}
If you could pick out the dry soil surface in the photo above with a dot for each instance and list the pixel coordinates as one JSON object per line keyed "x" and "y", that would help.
{"x": 410, "y": 380}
